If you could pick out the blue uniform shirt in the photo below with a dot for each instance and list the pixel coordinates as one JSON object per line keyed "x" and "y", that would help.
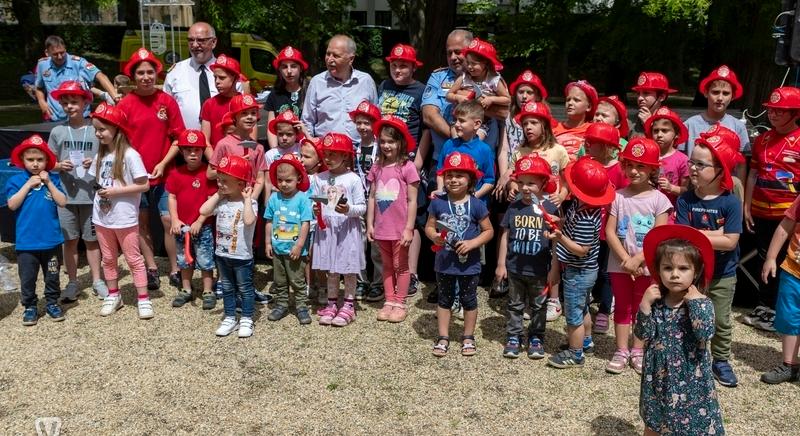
{"x": 37, "y": 219}
{"x": 49, "y": 77}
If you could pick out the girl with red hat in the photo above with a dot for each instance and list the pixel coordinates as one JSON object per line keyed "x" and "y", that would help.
{"x": 581, "y": 103}
{"x": 612, "y": 110}
{"x": 666, "y": 128}
{"x": 652, "y": 90}
{"x": 459, "y": 224}
{"x": 289, "y": 90}
{"x": 636, "y": 209}
{"x": 154, "y": 123}
{"x": 676, "y": 320}
{"x": 339, "y": 247}
{"x": 227, "y": 73}
{"x": 121, "y": 177}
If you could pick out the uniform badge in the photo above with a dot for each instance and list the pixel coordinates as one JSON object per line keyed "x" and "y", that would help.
{"x": 46, "y": 73}
{"x": 428, "y": 92}
{"x": 90, "y": 66}
{"x": 162, "y": 113}
{"x": 637, "y": 150}
{"x": 196, "y": 184}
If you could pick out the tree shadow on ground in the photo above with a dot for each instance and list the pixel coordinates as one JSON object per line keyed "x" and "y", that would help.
{"x": 759, "y": 357}
{"x": 604, "y": 425}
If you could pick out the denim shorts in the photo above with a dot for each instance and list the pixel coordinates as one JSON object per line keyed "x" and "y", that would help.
{"x": 787, "y": 306}
{"x": 157, "y": 195}
{"x": 202, "y": 249}
{"x": 577, "y": 284}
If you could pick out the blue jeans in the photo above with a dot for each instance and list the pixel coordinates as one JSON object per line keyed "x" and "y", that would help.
{"x": 577, "y": 286}
{"x": 237, "y": 274}
{"x": 155, "y": 196}
{"x": 202, "y": 248}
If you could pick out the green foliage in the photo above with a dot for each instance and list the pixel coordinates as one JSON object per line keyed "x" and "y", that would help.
{"x": 693, "y": 11}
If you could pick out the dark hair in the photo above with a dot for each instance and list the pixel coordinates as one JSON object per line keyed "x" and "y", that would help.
{"x": 473, "y": 181}
{"x": 676, "y": 246}
{"x": 280, "y": 85}
{"x": 53, "y": 41}
{"x": 395, "y": 134}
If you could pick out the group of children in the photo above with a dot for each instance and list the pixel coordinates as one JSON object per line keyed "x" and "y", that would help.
{"x": 585, "y": 212}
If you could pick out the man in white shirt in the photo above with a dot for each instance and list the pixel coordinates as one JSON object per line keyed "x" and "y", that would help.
{"x": 185, "y": 82}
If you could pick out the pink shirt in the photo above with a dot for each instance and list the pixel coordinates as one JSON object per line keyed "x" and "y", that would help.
{"x": 391, "y": 198}
{"x": 636, "y": 215}
{"x": 229, "y": 145}
{"x": 675, "y": 167}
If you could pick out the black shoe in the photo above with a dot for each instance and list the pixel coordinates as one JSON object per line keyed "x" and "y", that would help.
{"x": 433, "y": 296}
{"x": 175, "y": 279}
{"x": 362, "y": 289}
{"x": 153, "y": 282}
{"x": 278, "y": 313}
{"x": 375, "y": 294}
{"x": 303, "y": 316}
{"x": 413, "y": 286}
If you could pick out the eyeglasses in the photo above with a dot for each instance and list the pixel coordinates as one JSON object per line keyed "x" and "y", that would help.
{"x": 700, "y": 165}
{"x": 199, "y": 40}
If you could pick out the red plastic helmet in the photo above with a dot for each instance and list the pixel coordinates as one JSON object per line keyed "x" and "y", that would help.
{"x": 338, "y": 142}
{"x": 588, "y": 181}
{"x": 456, "y": 161}
{"x": 290, "y": 159}
{"x": 366, "y": 109}
{"x": 622, "y": 113}
{"x": 290, "y": 53}
{"x": 403, "y": 52}
{"x": 192, "y": 138}
{"x": 485, "y": 50}
{"x": 591, "y": 94}
{"x": 529, "y": 78}
{"x": 666, "y": 113}
{"x": 112, "y": 115}
{"x": 285, "y": 117}
{"x": 237, "y": 167}
{"x": 603, "y": 133}
{"x": 785, "y": 97}
{"x": 399, "y": 124}
{"x": 722, "y": 73}
{"x": 242, "y": 102}
{"x": 228, "y": 64}
{"x": 642, "y": 150}
{"x": 33, "y": 141}
{"x": 72, "y": 87}
{"x": 651, "y": 81}
{"x": 139, "y": 56}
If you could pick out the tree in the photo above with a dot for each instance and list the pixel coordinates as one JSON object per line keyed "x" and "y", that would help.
{"x": 27, "y": 14}
{"x": 428, "y": 23}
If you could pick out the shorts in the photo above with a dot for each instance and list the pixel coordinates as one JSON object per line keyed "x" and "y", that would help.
{"x": 787, "y": 306}
{"x": 157, "y": 195}
{"x": 202, "y": 249}
{"x": 76, "y": 222}
{"x": 576, "y": 285}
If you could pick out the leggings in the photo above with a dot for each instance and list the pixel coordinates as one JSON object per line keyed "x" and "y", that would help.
{"x": 467, "y": 287}
{"x": 628, "y": 295}
{"x": 111, "y": 240}
{"x": 396, "y": 277}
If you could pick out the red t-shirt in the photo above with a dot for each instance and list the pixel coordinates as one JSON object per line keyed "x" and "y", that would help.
{"x": 154, "y": 121}
{"x": 571, "y": 139}
{"x": 776, "y": 158}
{"x": 191, "y": 189}
{"x": 229, "y": 145}
{"x": 212, "y": 111}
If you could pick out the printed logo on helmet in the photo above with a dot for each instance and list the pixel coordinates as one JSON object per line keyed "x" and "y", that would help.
{"x": 527, "y": 75}
{"x": 289, "y": 52}
{"x": 473, "y": 44}
{"x": 723, "y": 71}
{"x": 100, "y": 108}
{"x": 222, "y": 59}
{"x": 287, "y": 115}
{"x": 363, "y": 106}
{"x": 142, "y": 53}
{"x": 713, "y": 140}
{"x": 247, "y": 99}
{"x": 642, "y": 79}
{"x": 455, "y": 160}
{"x": 637, "y": 150}
{"x": 191, "y": 138}
{"x": 662, "y": 111}
{"x": 223, "y": 162}
{"x": 775, "y": 97}
{"x": 531, "y": 106}
{"x": 328, "y": 141}
{"x": 36, "y": 140}
{"x": 525, "y": 164}
{"x": 612, "y": 97}
{"x": 398, "y": 50}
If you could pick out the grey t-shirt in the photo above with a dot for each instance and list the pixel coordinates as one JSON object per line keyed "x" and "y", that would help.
{"x": 76, "y": 144}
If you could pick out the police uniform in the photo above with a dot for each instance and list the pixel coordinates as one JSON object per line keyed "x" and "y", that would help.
{"x": 49, "y": 77}
{"x": 182, "y": 84}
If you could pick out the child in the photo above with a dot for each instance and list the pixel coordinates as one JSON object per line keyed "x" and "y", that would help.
{"x": 365, "y": 116}
{"x": 611, "y": 110}
{"x": 720, "y": 88}
{"x": 288, "y": 215}
{"x": 34, "y": 196}
{"x": 712, "y": 208}
{"x": 401, "y": 95}
{"x": 245, "y": 113}
{"x": 227, "y": 73}
{"x": 652, "y": 90}
{"x": 338, "y": 249}
{"x": 314, "y": 163}
{"x": 289, "y": 90}
{"x": 120, "y": 179}
{"x": 771, "y": 188}
{"x": 665, "y": 127}
{"x": 676, "y": 320}
{"x": 288, "y": 131}
{"x": 577, "y": 248}
{"x": 731, "y": 139}
{"x": 236, "y": 209}
{"x": 636, "y": 209}
{"x": 75, "y": 144}
{"x": 188, "y": 187}
{"x": 458, "y": 260}
{"x": 580, "y": 103}
{"x": 391, "y": 212}
{"x": 524, "y": 256}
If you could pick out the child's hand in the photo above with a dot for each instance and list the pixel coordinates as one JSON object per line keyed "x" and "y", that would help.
{"x": 175, "y": 228}
{"x": 499, "y": 191}
{"x": 247, "y": 193}
{"x": 194, "y": 229}
{"x": 644, "y": 114}
{"x": 268, "y": 249}
{"x": 485, "y": 101}
{"x": 500, "y": 273}
{"x": 631, "y": 265}
{"x": 34, "y": 182}
{"x": 370, "y": 234}
{"x": 664, "y": 184}
{"x": 768, "y": 270}
{"x": 438, "y": 240}
{"x": 650, "y": 296}
{"x": 343, "y": 208}
{"x": 464, "y": 247}
{"x": 158, "y": 171}
{"x": 87, "y": 163}
{"x": 553, "y": 234}
{"x": 66, "y": 165}
{"x": 44, "y": 176}
{"x": 750, "y": 225}
{"x": 481, "y": 134}
{"x": 512, "y": 194}
{"x": 407, "y": 237}
{"x": 295, "y": 252}
{"x": 693, "y": 294}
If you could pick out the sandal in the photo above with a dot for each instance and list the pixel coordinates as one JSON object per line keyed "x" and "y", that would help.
{"x": 637, "y": 356}
{"x": 468, "y": 348}
{"x": 439, "y": 348}
{"x": 345, "y": 316}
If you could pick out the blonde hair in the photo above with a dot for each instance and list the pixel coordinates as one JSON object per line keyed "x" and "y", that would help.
{"x": 120, "y": 145}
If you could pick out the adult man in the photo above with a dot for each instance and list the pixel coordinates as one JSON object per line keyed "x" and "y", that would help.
{"x": 58, "y": 67}
{"x": 190, "y": 82}
{"x": 333, "y": 93}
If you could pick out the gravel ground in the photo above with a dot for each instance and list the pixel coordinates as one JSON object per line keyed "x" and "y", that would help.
{"x": 172, "y": 375}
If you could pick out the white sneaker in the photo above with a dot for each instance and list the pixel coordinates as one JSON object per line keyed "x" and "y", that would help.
{"x": 111, "y": 304}
{"x": 145, "y": 309}
{"x": 227, "y": 326}
{"x": 100, "y": 289}
{"x": 245, "y": 327}
{"x": 553, "y": 309}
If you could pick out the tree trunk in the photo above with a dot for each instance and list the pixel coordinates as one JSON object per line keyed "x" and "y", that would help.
{"x": 439, "y": 20}
{"x": 132, "y": 19}
{"x": 30, "y": 29}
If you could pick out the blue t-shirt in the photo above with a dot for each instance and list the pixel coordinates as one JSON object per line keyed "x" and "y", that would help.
{"x": 528, "y": 251}
{"x": 724, "y": 211}
{"x": 464, "y": 219}
{"x": 403, "y": 101}
{"x": 479, "y": 151}
{"x": 37, "y": 219}
{"x": 287, "y": 216}
{"x": 49, "y": 77}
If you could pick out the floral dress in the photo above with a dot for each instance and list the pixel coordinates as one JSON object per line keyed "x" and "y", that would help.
{"x": 678, "y": 394}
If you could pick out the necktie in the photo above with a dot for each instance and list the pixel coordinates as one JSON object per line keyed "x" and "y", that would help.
{"x": 205, "y": 93}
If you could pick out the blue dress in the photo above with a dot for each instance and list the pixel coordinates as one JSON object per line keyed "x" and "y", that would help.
{"x": 678, "y": 395}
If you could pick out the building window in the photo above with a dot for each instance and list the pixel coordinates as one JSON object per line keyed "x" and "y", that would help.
{"x": 359, "y": 17}
{"x": 383, "y": 18}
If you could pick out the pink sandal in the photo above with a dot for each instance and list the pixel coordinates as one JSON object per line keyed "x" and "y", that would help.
{"x": 346, "y": 315}
{"x": 327, "y": 314}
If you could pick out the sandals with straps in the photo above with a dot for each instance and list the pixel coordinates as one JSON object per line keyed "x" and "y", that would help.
{"x": 439, "y": 348}
{"x": 468, "y": 348}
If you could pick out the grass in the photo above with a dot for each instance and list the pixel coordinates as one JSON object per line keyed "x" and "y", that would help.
{"x": 172, "y": 375}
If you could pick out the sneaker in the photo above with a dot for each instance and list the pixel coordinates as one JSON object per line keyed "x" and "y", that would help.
{"x": 499, "y": 289}
{"x": 374, "y": 294}
{"x": 145, "y": 309}
{"x": 303, "y": 316}
{"x": 386, "y": 310}
{"x": 588, "y": 346}
{"x": 433, "y": 296}
{"x": 457, "y": 310}
{"x": 111, "y": 304}
{"x": 618, "y": 362}
{"x": 227, "y": 326}
{"x": 779, "y": 374}
{"x": 399, "y": 314}
{"x": 209, "y": 300}
{"x": 637, "y": 357}
{"x": 724, "y": 374}
{"x": 535, "y": 349}
{"x": 362, "y": 289}
{"x": 511, "y": 350}
{"x": 70, "y": 293}
{"x": 246, "y": 327}
{"x": 755, "y": 315}
{"x": 175, "y": 279}
{"x": 30, "y": 316}
{"x": 153, "y": 281}
{"x": 346, "y": 315}
{"x": 413, "y": 286}
{"x": 766, "y": 322}
{"x": 326, "y": 314}
{"x": 263, "y": 298}
{"x": 182, "y": 298}
{"x": 100, "y": 289}
{"x": 553, "y": 309}
{"x": 566, "y": 359}
{"x": 54, "y": 312}
{"x": 277, "y": 314}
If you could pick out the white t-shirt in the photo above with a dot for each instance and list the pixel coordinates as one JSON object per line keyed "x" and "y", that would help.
{"x": 274, "y": 154}
{"x": 234, "y": 239}
{"x": 121, "y": 211}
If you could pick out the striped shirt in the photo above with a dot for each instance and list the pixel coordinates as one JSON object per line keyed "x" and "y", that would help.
{"x": 581, "y": 225}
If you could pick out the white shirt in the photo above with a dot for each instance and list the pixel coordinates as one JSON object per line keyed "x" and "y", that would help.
{"x": 234, "y": 238}
{"x": 121, "y": 211}
{"x": 182, "y": 83}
